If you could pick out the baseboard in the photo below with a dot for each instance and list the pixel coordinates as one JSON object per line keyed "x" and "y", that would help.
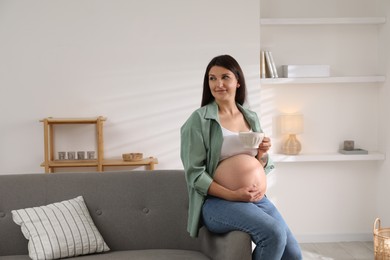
{"x": 327, "y": 238}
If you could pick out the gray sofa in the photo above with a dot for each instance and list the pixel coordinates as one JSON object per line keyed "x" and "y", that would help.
{"x": 140, "y": 214}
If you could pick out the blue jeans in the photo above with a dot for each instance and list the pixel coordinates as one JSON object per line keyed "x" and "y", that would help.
{"x": 261, "y": 220}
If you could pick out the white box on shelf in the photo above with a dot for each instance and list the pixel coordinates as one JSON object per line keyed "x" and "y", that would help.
{"x": 306, "y": 71}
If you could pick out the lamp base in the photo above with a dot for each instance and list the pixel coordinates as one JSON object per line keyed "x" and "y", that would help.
{"x": 292, "y": 146}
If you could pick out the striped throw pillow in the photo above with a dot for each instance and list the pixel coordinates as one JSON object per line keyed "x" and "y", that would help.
{"x": 58, "y": 230}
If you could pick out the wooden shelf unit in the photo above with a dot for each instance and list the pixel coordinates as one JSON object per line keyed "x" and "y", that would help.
{"x": 49, "y": 149}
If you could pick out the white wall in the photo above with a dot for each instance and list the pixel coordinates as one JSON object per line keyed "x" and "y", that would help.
{"x": 139, "y": 63}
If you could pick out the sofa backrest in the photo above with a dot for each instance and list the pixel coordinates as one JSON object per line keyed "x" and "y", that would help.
{"x": 132, "y": 210}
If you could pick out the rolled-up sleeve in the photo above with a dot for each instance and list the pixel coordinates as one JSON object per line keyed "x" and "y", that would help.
{"x": 193, "y": 155}
{"x": 269, "y": 166}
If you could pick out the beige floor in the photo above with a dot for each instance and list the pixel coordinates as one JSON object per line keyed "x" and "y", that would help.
{"x": 338, "y": 251}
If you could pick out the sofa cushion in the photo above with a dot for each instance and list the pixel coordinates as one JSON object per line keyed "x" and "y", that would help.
{"x": 59, "y": 230}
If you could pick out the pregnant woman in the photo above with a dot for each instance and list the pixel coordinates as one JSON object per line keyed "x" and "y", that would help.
{"x": 227, "y": 181}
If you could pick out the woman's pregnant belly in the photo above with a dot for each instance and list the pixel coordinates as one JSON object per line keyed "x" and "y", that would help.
{"x": 241, "y": 171}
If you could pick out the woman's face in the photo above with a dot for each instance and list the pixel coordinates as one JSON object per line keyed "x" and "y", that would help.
{"x": 223, "y": 84}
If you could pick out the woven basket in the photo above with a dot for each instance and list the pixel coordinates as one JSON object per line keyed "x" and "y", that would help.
{"x": 131, "y": 157}
{"x": 381, "y": 241}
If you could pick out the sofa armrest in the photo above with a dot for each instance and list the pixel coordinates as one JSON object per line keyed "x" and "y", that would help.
{"x": 230, "y": 246}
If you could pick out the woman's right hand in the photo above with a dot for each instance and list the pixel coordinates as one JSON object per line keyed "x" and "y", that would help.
{"x": 249, "y": 194}
{"x": 245, "y": 194}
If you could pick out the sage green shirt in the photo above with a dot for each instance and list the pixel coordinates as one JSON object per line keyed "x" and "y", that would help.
{"x": 201, "y": 143}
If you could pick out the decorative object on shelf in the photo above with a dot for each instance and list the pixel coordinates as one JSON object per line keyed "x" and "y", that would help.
{"x": 381, "y": 241}
{"x": 90, "y": 155}
{"x": 80, "y": 155}
{"x": 61, "y": 155}
{"x": 349, "y": 148}
{"x": 71, "y": 155}
{"x": 349, "y": 145}
{"x": 292, "y": 125}
{"x": 306, "y": 71}
{"x": 131, "y": 157}
{"x": 267, "y": 65}
{"x": 262, "y": 65}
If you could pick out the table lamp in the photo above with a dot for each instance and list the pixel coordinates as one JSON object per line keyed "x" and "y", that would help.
{"x": 291, "y": 125}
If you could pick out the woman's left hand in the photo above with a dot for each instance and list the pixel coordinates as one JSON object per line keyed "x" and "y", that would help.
{"x": 264, "y": 146}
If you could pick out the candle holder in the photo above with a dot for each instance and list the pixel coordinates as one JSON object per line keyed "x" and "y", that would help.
{"x": 71, "y": 155}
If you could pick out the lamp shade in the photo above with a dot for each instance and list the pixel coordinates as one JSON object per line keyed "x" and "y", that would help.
{"x": 291, "y": 124}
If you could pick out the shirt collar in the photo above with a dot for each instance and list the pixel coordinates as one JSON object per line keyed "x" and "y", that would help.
{"x": 212, "y": 113}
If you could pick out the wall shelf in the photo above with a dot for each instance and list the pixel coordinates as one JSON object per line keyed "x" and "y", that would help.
{"x": 327, "y": 157}
{"x": 150, "y": 162}
{"x": 324, "y": 21}
{"x": 147, "y": 162}
{"x": 355, "y": 79}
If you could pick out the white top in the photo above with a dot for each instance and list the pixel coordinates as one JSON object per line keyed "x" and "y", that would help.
{"x": 232, "y": 145}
